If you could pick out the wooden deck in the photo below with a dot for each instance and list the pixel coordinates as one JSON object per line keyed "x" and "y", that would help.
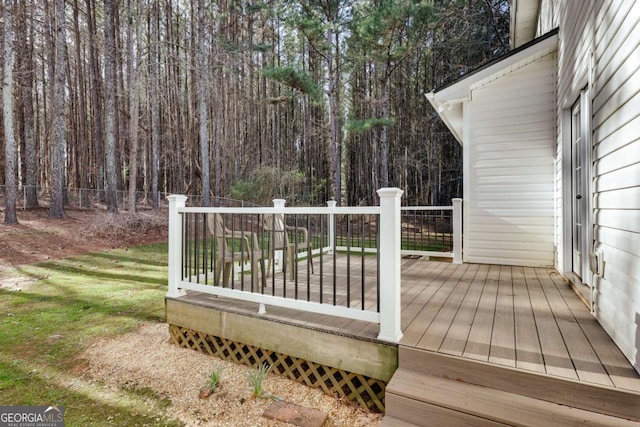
{"x": 501, "y": 345}
{"x": 524, "y": 322}
{"x": 524, "y": 318}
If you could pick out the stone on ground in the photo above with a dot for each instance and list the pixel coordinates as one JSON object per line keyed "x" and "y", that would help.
{"x": 297, "y": 415}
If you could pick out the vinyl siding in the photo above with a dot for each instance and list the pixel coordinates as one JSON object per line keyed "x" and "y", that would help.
{"x": 509, "y": 168}
{"x": 548, "y": 16}
{"x": 605, "y": 33}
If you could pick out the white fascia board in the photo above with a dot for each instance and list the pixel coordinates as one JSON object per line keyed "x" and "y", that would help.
{"x": 450, "y": 113}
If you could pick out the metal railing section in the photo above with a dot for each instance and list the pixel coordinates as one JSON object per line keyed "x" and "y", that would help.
{"x": 338, "y": 261}
{"x": 427, "y": 231}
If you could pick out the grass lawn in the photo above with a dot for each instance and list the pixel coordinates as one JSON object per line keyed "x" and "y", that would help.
{"x": 71, "y": 303}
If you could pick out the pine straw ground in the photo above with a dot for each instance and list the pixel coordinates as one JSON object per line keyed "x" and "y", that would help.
{"x": 143, "y": 360}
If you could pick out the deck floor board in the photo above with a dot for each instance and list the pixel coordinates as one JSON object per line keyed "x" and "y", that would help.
{"x": 585, "y": 361}
{"x": 503, "y": 349}
{"x": 615, "y": 364}
{"x": 479, "y": 342}
{"x": 458, "y": 333}
{"x": 439, "y": 327}
{"x": 428, "y": 312}
{"x": 554, "y": 351}
{"x": 528, "y": 351}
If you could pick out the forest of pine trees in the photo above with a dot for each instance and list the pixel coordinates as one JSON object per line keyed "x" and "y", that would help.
{"x": 307, "y": 100}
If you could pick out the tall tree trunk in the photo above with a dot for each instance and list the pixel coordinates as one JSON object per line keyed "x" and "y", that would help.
{"x": 134, "y": 100}
{"x": 384, "y": 143}
{"x": 96, "y": 104}
{"x": 202, "y": 108}
{"x": 120, "y": 103}
{"x": 174, "y": 89}
{"x": 333, "y": 117}
{"x": 26, "y": 96}
{"x": 83, "y": 163}
{"x": 251, "y": 144}
{"x": 218, "y": 155}
{"x": 7, "y": 110}
{"x": 110, "y": 104}
{"x": 56, "y": 208}
{"x": 155, "y": 108}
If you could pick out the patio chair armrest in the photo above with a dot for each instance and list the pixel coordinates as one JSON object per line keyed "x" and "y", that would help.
{"x": 302, "y": 230}
{"x": 249, "y": 238}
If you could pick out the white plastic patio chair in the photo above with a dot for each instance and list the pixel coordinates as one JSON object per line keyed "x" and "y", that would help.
{"x": 286, "y": 238}
{"x": 226, "y": 255}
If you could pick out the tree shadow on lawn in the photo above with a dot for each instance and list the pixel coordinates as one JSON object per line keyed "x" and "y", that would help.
{"x": 77, "y": 302}
{"x": 103, "y": 275}
{"x": 84, "y": 402}
{"x": 71, "y": 303}
{"x": 118, "y": 306}
{"x": 151, "y": 259}
{"x": 125, "y": 256}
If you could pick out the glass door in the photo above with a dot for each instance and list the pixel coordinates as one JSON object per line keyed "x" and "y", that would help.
{"x": 581, "y": 234}
{"x": 577, "y": 196}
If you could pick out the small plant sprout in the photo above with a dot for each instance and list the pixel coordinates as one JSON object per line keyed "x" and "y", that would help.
{"x": 214, "y": 378}
{"x": 212, "y": 385}
{"x": 256, "y": 380}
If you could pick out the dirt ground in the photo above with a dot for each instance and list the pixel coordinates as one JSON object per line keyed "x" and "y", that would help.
{"x": 117, "y": 363}
{"x": 37, "y": 239}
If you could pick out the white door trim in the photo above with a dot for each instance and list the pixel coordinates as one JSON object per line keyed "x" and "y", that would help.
{"x": 584, "y": 101}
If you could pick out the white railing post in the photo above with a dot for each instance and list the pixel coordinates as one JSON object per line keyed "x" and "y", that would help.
{"x": 457, "y": 231}
{"x": 175, "y": 244}
{"x": 390, "y": 264}
{"x": 332, "y": 217}
{"x": 278, "y": 255}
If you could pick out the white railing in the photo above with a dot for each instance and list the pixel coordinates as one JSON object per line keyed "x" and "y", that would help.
{"x": 433, "y": 231}
{"x": 351, "y": 232}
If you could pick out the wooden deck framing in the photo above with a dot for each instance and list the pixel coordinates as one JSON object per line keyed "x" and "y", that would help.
{"x": 505, "y": 319}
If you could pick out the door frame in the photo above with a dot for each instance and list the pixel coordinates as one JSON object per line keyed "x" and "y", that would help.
{"x": 583, "y": 286}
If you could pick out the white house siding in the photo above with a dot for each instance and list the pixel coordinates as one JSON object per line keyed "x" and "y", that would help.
{"x": 509, "y": 168}
{"x": 609, "y": 33}
{"x": 548, "y": 16}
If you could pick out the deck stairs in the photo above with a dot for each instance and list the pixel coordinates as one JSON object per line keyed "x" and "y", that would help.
{"x": 434, "y": 389}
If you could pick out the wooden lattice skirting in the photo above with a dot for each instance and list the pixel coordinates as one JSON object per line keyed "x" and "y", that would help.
{"x": 367, "y": 392}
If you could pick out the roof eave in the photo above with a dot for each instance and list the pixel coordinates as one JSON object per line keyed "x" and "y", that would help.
{"x": 448, "y": 102}
{"x": 450, "y": 113}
